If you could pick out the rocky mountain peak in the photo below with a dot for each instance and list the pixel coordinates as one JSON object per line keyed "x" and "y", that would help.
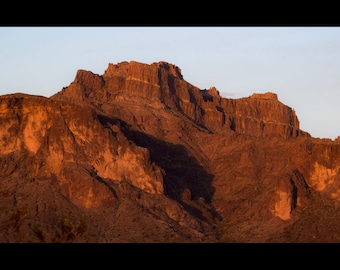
{"x": 142, "y": 71}
{"x": 162, "y": 84}
{"x": 138, "y": 154}
{"x": 267, "y": 95}
{"x": 88, "y": 79}
{"x": 172, "y": 69}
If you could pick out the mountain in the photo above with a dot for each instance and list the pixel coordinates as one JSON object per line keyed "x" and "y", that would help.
{"x": 140, "y": 155}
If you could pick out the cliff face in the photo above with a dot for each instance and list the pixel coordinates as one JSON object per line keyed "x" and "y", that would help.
{"x": 140, "y": 155}
{"x": 64, "y": 140}
{"x": 162, "y": 84}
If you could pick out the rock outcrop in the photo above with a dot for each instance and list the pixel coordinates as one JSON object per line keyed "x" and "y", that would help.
{"x": 67, "y": 140}
{"x": 138, "y": 154}
{"x": 163, "y": 84}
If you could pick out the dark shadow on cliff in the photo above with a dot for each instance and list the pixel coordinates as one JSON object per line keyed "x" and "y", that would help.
{"x": 185, "y": 180}
{"x": 183, "y": 172}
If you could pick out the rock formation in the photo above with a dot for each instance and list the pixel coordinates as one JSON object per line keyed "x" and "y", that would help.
{"x": 138, "y": 155}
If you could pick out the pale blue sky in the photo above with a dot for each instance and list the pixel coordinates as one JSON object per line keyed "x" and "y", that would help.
{"x": 300, "y": 64}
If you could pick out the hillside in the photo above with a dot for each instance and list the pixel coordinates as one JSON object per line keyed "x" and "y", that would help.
{"x": 140, "y": 155}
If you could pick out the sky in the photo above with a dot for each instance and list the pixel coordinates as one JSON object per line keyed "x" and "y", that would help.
{"x": 300, "y": 64}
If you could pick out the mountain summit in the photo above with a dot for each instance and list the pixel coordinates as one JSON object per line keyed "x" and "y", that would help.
{"x": 139, "y": 155}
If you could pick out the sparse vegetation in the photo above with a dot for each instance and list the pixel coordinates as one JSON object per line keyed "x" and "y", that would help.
{"x": 69, "y": 231}
{"x": 13, "y": 226}
{"x": 39, "y": 234}
{"x": 17, "y": 219}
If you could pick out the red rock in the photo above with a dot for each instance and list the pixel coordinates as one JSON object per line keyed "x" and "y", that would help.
{"x": 138, "y": 154}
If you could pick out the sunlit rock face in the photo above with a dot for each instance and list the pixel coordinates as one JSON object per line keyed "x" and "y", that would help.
{"x": 322, "y": 170}
{"x": 138, "y": 154}
{"x": 71, "y": 143}
{"x": 21, "y": 127}
{"x": 291, "y": 192}
{"x": 258, "y": 115}
{"x": 322, "y": 176}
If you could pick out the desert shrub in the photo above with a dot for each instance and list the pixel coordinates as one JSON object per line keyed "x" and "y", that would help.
{"x": 39, "y": 234}
{"x": 69, "y": 231}
{"x": 14, "y": 223}
{"x": 17, "y": 219}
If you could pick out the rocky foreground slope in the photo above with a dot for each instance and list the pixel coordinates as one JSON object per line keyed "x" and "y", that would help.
{"x": 139, "y": 155}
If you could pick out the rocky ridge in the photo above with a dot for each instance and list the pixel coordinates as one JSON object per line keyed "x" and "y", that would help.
{"x": 138, "y": 154}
